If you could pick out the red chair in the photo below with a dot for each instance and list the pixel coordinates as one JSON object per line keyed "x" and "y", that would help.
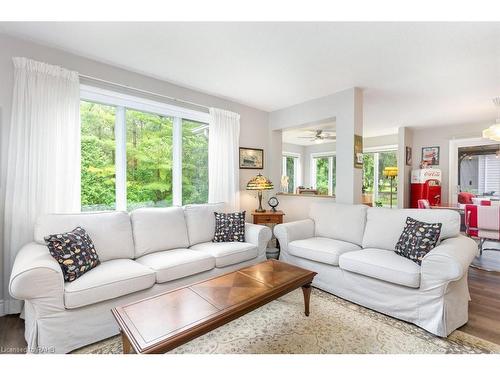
{"x": 423, "y": 203}
{"x": 465, "y": 197}
{"x": 483, "y": 222}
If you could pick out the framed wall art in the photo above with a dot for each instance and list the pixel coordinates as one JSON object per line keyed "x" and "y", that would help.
{"x": 251, "y": 158}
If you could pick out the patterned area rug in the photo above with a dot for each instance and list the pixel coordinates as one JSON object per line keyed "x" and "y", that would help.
{"x": 334, "y": 326}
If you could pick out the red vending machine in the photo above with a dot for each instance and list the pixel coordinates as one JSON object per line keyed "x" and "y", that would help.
{"x": 425, "y": 184}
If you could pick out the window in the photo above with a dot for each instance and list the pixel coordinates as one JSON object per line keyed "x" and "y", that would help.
{"x": 291, "y": 169}
{"x": 141, "y": 153}
{"x": 375, "y": 185}
{"x": 194, "y": 162}
{"x": 98, "y": 156}
{"x": 323, "y": 174}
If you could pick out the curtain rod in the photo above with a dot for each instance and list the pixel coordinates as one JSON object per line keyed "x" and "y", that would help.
{"x": 142, "y": 91}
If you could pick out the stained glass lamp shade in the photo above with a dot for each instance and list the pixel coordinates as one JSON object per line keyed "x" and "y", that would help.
{"x": 260, "y": 183}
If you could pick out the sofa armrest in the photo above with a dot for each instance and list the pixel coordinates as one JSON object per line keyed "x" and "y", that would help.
{"x": 295, "y": 230}
{"x": 258, "y": 235}
{"x": 37, "y": 276}
{"x": 449, "y": 261}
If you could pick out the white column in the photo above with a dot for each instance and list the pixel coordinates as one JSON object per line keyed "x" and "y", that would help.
{"x": 121, "y": 159}
{"x": 177, "y": 162}
{"x": 349, "y": 122}
{"x": 375, "y": 177}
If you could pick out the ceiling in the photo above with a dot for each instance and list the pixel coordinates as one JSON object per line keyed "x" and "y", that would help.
{"x": 294, "y": 136}
{"x": 413, "y": 74}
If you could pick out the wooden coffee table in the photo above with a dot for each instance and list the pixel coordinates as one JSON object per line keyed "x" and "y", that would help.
{"x": 165, "y": 321}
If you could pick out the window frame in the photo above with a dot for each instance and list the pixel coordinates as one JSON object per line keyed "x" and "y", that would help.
{"x": 318, "y": 155}
{"x": 122, "y": 102}
{"x": 376, "y": 173}
{"x": 297, "y": 180}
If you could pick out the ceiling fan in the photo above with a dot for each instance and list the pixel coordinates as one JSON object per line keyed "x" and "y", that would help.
{"x": 319, "y": 135}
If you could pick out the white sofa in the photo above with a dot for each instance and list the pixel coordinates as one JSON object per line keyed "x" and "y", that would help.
{"x": 351, "y": 247}
{"x": 150, "y": 251}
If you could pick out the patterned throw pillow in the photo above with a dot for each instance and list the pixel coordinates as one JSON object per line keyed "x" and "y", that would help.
{"x": 74, "y": 251}
{"x": 229, "y": 227}
{"x": 417, "y": 239}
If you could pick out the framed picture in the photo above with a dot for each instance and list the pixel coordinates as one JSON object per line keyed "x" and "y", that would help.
{"x": 408, "y": 156}
{"x": 251, "y": 158}
{"x": 430, "y": 155}
{"x": 358, "y": 151}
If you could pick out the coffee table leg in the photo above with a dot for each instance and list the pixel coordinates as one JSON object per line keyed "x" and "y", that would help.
{"x": 127, "y": 348}
{"x": 306, "y": 289}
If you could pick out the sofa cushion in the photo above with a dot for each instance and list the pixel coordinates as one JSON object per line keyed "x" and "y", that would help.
{"x": 321, "y": 249}
{"x": 111, "y": 232}
{"x": 385, "y": 225}
{"x": 227, "y": 253}
{"x": 383, "y": 265}
{"x": 229, "y": 227}
{"x": 74, "y": 251}
{"x": 417, "y": 239}
{"x": 344, "y": 222}
{"x": 109, "y": 280}
{"x": 200, "y": 221}
{"x": 158, "y": 229}
{"x": 178, "y": 263}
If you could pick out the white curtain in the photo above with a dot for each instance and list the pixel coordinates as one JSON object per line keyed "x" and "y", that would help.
{"x": 43, "y": 157}
{"x": 223, "y": 156}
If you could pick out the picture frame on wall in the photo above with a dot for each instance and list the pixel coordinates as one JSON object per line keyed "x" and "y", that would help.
{"x": 251, "y": 158}
{"x": 408, "y": 156}
{"x": 430, "y": 155}
{"x": 358, "y": 151}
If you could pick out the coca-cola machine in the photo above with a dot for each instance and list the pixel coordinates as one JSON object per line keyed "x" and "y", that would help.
{"x": 425, "y": 184}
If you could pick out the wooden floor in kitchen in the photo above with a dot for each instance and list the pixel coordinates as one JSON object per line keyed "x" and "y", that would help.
{"x": 484, "y": 313}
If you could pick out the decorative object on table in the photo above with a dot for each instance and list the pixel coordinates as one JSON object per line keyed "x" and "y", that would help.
{"x": 270, "y": 219}
{"x": 251, "y": 158}
{"x": 430, "y": 155}
{"x": 423, "y": 165}
{"x": 260, "y": 183}
{"x": 358, "y": 151}
{"x": 391, "y": 173}
{"x": 408, "y": 156}
{"x": 493, "y": 132}
{"x": 284, "y": 184}
{"x": 307, "y": 191}
{"x": 417, "y": 239}
{"x": 74, "y": 251}
{"x": 229, "y": 227}
{"x": 273, "y": 202}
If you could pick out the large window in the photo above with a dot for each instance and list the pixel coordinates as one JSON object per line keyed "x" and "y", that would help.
{"x": 291, "y": 169}
{"x": 140, "y": 153}
{"x": 376, "y": 186}
{"x": 98, "y": 156}
{"x": 323, "y": 174}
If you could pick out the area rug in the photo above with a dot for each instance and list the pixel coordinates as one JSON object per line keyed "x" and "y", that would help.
{"x": 334, "y": 326}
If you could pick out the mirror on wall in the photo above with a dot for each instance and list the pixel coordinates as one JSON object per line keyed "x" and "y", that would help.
{"x": 308, "y": 159}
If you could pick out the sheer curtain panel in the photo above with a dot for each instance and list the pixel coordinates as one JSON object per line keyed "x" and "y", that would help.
{"x": 43, "y": 157}
{"x": 223, "y": 156}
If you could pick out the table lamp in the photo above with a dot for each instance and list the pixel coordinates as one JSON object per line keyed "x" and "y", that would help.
{"x": 260, "y": 183}
{"x": 391, "y": 173}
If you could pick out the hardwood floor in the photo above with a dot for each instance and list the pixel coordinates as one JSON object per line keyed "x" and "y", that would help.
{"x": 484, "y": 310}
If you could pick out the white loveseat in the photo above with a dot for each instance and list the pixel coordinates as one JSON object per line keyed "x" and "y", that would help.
{"x": 351, "y": 247}
{"x": 150, "y": 251}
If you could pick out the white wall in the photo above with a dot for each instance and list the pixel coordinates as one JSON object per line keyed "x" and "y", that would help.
{"x": 254, "y": 123}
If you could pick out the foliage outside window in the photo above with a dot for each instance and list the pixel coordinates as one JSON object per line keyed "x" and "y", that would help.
{"x": 291, "y": 170}
{"x": 374, "y": 182}
{"x": 324, "y": 175}
{"x": 150, "y": 156}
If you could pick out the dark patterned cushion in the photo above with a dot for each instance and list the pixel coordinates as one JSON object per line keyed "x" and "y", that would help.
{"x": 417, "y": 239}
{"x": 74, "y": 251}
{"x": 229, "y": 227}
